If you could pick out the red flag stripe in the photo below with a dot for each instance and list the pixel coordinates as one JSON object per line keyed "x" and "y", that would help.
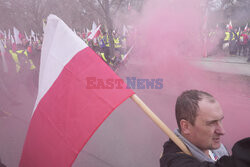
{"x": 69, "y": 113}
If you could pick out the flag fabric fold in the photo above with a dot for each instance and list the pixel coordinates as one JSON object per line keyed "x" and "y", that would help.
{"x": 77, "y": 92}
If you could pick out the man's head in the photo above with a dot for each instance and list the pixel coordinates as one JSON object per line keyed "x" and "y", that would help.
{"x": 199, "y": 117}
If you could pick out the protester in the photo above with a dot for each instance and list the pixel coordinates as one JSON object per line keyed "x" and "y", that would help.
{"x": 243, "y": 43}
{"x": 233, "y": 42}
{"x": 199, "y": 118}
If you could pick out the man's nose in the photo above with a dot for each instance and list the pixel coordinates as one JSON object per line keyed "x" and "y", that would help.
{"x": 219, "y": 129}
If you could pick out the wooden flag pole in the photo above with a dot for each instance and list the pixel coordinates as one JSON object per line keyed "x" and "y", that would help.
{"x": 159, "y": 123}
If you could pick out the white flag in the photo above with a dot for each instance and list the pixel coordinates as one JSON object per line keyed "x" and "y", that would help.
{"x": 94, "y": 33}
{"x": 33, "y": 35}
{"x": 5, "y": 67}
{"x": 93, "y": 26}
{"x": 16, "y": 35}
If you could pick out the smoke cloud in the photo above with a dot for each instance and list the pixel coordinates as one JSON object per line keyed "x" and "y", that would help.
{"x": 168, "y": 45}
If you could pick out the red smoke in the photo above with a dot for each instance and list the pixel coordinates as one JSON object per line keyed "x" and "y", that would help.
{"x": 169, "y": 41}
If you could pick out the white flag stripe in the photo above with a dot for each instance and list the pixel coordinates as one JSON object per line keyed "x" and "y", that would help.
{"x": 56, "y": 30}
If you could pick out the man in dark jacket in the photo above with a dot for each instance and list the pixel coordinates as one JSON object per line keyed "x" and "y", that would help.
{"x": 199, "y": 118}
{"x": 174, "y": 157}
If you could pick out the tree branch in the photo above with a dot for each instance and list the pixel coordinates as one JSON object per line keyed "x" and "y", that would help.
{"x": 90, "y": 5}
{"x": 119, "y": 5}
{"x": 101, "y": 5}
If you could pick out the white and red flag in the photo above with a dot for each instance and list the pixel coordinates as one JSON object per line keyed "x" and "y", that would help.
{"x": 246, "y": 27}
{"x": 17, "y": 35}
{"x": 32, "y": 34}
{"x": 230, "y": 25}
{"x": 69, "y": 108}
{"x": 94, "y": 33}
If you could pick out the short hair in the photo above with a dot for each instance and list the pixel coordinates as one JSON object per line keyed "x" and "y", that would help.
{"x": 187, "y": 105}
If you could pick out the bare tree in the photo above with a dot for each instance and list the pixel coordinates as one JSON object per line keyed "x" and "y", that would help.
{"x": 104, "y": 10}
{"x": 221, "y": 11}
{"x": 28, "y": 14}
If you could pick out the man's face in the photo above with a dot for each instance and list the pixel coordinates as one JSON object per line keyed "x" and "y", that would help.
{"x": 207, "y": 130}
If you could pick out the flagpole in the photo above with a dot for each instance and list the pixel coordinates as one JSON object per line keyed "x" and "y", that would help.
{"x": 159, "y": 123}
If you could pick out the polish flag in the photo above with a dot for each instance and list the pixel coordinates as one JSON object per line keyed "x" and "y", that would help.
{"x": 69, "y": 108}
{"x": 33, "y": 35}
{"x": 230, "y": 25}
{"x": 245, "y": 29}
{"x": 17, "y": 35}
{"x": 94, "y": 33}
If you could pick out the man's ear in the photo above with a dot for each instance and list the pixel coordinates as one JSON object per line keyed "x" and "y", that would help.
{"x": 185, "y": 127}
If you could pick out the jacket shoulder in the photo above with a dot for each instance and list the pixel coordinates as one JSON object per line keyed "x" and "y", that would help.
{"x": 173, "y": 157}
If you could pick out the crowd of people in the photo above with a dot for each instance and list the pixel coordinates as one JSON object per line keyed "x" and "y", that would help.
{"x": 20, "y": 61}
{"x": 19, "y": 68}
{"x": 199, "y": 117}
{"x": 102, "y": 46}
{"x": 234, "y": 42}
{"x": 24, "y": 57}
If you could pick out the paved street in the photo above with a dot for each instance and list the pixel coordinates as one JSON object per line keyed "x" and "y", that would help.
{"x": 226, "y": 64}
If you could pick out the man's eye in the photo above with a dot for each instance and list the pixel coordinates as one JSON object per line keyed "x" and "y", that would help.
{"x": 211, "y": 123}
